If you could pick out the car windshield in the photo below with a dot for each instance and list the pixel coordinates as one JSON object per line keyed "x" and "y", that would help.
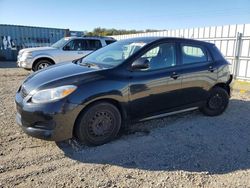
{"x": 115, "y": 53}
{"x": 60, "y": 43}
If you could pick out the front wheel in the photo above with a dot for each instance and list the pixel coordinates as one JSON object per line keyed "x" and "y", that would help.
{"x": 99, "y": 124}
{"x": 216, "y": 103}
{"x": 41, "y": 64}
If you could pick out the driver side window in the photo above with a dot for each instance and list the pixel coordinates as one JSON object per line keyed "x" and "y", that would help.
{"x": 75, "y": 45}
{"x": 161, "y": 56}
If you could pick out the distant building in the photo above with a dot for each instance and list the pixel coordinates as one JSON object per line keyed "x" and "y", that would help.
{"x": 15, "y": 37}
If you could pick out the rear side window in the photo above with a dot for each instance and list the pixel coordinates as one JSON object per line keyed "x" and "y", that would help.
{"x": 193, "y": 54}
{"x": 93, "y": 44}
{"x": 109, "y": 41}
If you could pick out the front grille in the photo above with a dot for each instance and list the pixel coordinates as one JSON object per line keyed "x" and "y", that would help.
{"x": 23, "y": 92}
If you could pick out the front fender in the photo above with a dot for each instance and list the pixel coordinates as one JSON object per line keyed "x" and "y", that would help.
{"x": 101, "y": 90}
{"x": 36, "y": 57}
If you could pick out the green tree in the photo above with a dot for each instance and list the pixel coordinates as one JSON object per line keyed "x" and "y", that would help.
{"x": 108, "y": 32}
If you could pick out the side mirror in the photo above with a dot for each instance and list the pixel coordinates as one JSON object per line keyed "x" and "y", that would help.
{"x": 140, "y": 63}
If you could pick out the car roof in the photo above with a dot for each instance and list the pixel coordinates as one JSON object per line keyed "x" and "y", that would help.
{"x": 153, "y": 39}
{"x": 91, "y": 37}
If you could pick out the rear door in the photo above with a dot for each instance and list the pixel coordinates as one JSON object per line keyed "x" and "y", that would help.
{"x": 198, "y": 72}
{"x": 92, "y": 45}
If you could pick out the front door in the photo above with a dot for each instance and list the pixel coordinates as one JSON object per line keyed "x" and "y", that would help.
{"x": 156, "y": 89}
{"x": 75, "y": 49}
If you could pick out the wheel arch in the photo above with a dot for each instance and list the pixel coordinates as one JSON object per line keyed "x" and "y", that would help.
{"x": 224, "y": 86}
{"x": 114, "y": 102}
{"x": 42, "y": 58}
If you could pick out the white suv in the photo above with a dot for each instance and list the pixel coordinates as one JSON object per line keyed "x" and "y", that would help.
{"x": 66, "y": 49}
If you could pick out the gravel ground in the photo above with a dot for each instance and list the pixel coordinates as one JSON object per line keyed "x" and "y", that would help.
{"x": 185, "y": 150}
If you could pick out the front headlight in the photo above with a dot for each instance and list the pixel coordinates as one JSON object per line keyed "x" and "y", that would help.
{"x": 48, "y": 95}
{"x": 27, "y": 54}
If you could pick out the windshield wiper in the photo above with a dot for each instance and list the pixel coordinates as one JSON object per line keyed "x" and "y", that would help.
{"x": 77, "y": 61}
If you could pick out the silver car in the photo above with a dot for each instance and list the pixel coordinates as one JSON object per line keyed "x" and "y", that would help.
{"x": 66, "y": 49}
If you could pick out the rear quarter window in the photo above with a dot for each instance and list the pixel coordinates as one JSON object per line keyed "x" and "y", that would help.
{"x": 193, "y": 54}
{"x": 109, "y": 41}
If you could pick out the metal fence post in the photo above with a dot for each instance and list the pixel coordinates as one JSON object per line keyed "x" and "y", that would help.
{"x": 237, "y": 54}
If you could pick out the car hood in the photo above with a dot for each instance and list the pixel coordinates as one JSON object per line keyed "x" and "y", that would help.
{"x": 36, "y": 49}
{"x": 67, "y": 73}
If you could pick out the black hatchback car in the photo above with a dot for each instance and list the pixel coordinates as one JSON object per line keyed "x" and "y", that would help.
{"x": 131, "y": 80}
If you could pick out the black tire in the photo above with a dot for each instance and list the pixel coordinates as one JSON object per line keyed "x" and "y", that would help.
{"x": 216, "y": 103}
{"x": 43, "y": 63}
{"x": 99, "y": 124}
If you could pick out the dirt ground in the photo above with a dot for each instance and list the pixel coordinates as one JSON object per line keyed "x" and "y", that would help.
{"x": 185, "y": 150}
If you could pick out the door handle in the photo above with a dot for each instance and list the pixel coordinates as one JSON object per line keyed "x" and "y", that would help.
{"x": 174, "y": 75}
{"x": 211, "y": 68}
{"x": 80, "y": 52}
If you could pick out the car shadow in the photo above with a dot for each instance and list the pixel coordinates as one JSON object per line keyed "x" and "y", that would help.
{"x": 8, "y": 64}
{"x": 190, "y": 142}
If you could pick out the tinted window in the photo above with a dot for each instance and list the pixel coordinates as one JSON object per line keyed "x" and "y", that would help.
{"x": 93, "y": 44}
{"x": 162, "y": 56}
{"x": 193, "y": 54}
{"x": 109, "y": 41}
{"x": 74, "y": 45}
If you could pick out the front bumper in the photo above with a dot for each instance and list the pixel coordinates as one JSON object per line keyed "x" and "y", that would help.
{"x": 51, "y": 121}
{"x": 24, "y": 62}
{"x": 42, "y": 133}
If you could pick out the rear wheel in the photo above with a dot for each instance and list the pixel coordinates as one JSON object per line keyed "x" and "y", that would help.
{"x": 216, "y": 103}
{"x": 98, "y": 125}
{"x": 41, "y": 64}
